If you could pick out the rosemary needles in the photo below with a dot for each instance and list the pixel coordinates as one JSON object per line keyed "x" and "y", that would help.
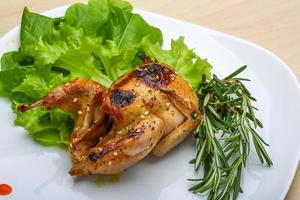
{"x": 224, "y": 135}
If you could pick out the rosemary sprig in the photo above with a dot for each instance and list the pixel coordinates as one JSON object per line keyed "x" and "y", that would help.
{"x": 224, "y": 136}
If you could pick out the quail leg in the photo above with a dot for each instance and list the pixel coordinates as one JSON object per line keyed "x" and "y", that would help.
{"x": 121, "y": 149}
{"x": 176, "y": 136}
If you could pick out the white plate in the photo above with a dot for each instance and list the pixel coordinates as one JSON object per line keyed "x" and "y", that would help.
{"x": 38, "y": 172}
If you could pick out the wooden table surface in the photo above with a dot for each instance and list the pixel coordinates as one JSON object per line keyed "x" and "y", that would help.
{"x": 273, "y": 24}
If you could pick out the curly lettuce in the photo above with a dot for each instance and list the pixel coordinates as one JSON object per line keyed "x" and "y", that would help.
{"x": 100, "y": 40}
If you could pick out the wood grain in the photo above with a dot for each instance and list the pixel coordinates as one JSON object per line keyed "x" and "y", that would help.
{"x": 273, "y": 24}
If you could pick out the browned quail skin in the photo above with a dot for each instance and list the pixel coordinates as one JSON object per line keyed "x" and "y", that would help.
{"x": 149, "y": 109}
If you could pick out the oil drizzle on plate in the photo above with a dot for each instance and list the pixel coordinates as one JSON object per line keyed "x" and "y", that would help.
{"x": 5, "y": 189}
{"x": 107, "y": 179}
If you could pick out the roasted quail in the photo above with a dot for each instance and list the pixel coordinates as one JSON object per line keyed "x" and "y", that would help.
{"x": 149, "y": 109}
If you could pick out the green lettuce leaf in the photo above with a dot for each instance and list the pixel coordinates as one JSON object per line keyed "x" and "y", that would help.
{"x": 11, "y": 78}
{"x": 127, "y": 29}
{"x": 47, "y": 127}
{"x": 10, "y": 60}
{"x": 51, "y": 127}
{"x": 90, "y": 17}
{"x": 12, "y": 73}
{"x": 35, "y": 86}
{"x": 33, "y": 28}
{"x": 123, "y": 5}
{"x": 116, "y": 61}
{"x": 70, "y": 49}
{"x": 184, "y": 60}
{"x": 100, "y": 41}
